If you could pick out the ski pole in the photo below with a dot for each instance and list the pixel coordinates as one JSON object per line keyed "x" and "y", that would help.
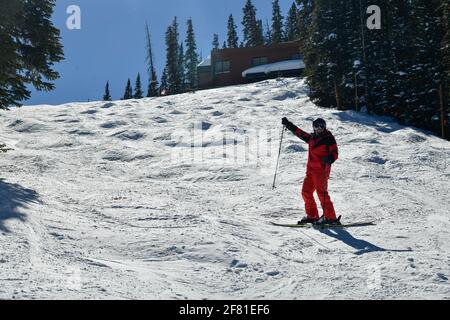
{"x": 278, "y": 159}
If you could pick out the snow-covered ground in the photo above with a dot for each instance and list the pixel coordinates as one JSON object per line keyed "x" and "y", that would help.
{"x": 109, "y": 200}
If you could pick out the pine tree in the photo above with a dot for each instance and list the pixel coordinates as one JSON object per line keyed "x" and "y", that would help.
{"x": 181, "y": 68}
{"x": 164, "y": 85}
{"x": 260, "y": 34}
{"x": 253, "y": 34}
{"x": 232, "y": 40}
{"x": 426, "y": 74}
{"x": 304, "y": 18}
{"x": 153, "y": 80}
{"x": 128, "y": 91}
{"x": 107, "y": 96}
{"x": 172, "y": 59}
{"x": 277, "y": 23}
{"x": 30, "y": 45}
{"x": 215, "y": 43}
{"x": 191, "y": 58}
{"x": 445, "y": 53}
{"x": 267, "y": 34}
{"x": 401, "y": 55}
{"x": 445, "y": 47}
{"x": 138, "y": 94}
{"x": 291, "y": 29}
{"x": 328, "y": 57}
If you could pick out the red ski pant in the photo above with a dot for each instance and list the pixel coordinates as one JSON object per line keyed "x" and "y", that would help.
{"x": 317, "y": 180}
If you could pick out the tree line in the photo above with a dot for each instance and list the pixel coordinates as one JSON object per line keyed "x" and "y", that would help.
{"x": 401, "y": 70}
{"x": 182, "y": 58}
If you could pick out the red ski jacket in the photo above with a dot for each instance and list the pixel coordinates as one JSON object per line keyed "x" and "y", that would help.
{"x": 320, "y": 146}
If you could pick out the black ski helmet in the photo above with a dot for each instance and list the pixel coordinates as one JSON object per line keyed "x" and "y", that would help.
{"x": 319, "y": 123}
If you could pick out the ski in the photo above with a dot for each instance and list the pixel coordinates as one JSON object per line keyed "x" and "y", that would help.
{"x": 325, "y": 226}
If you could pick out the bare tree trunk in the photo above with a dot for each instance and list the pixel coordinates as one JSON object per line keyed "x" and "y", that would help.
{"x": 338, "y": 95}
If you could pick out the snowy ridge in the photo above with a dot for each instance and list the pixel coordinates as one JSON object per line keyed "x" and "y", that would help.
{"x": 109, "y": 200}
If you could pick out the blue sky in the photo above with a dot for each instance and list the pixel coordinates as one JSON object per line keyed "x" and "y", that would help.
{"x": 111, "y": 42}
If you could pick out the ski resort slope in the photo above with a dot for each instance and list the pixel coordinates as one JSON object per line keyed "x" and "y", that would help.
{"x": 171, "y": 198}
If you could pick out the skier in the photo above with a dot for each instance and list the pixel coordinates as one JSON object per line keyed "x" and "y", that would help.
{"x": 323, "y": 152}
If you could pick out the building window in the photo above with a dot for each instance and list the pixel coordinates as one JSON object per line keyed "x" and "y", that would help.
{"x": 259, "y": 61}
{"x": 296, "y": 56}
{"x": 222, "y": 67}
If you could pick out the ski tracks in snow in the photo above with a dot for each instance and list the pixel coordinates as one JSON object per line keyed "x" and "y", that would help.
{"x": 137, "y": 200}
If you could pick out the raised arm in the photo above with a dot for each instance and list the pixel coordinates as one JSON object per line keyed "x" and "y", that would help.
{"x": 296, "y": 130}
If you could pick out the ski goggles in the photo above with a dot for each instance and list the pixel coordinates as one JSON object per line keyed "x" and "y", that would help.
{"x": 319, "y": 127}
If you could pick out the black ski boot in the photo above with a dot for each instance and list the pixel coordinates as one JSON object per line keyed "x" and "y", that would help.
{"x": 306, "y": 220}
{"x": 328, "y": 222}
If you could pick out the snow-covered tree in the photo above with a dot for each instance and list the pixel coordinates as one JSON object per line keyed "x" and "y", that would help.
{"x": 327, "y": 55}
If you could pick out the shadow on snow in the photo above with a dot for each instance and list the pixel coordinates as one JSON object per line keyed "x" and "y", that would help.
{"x": 13, "y": 197}
{"x": 361, "y": 246}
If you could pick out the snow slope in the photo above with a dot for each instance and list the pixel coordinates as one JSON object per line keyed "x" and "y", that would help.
{"x": 109, "y": 200}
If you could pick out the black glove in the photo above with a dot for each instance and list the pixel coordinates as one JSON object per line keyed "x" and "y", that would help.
{"x": 328, "y": 160}
{"x": 289, "y": 125}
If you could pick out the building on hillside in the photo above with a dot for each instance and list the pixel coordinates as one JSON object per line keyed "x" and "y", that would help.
{"x": 233, "y": 66}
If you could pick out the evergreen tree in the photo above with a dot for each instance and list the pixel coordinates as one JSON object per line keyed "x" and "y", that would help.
{"x": 153, "y": 81}
{"x": 401, "y": 49}
{"x": 138, "y": 94}
{"x": 181, "y": 68}
{"x": 328, "y": 57}
{"x": 253, "y": 34}
{"x": 445, "y": 53}
{"x": 30, "y": 45}
{"x": 224, "y": 45}
{"x": 215, "y": 42}
{"x": 107, "y": 96}
{"x": 172, "y": 59}
{"x": 445, "y": 47}
{"x": 396, "y": 70}
{"x": 164, "y": 84}
{"x": 191, "y": 58}
{"x": 232, "y": 40}
{"x": 128, "y": 91}
{"x": 277, "y": 23}
{"x": 291, "y": 29}
{"x": 426, "y": 73}
{"x": 267, "y": 34}
{"x": 304, "y": 18}
{"x": 260, "y": 34}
